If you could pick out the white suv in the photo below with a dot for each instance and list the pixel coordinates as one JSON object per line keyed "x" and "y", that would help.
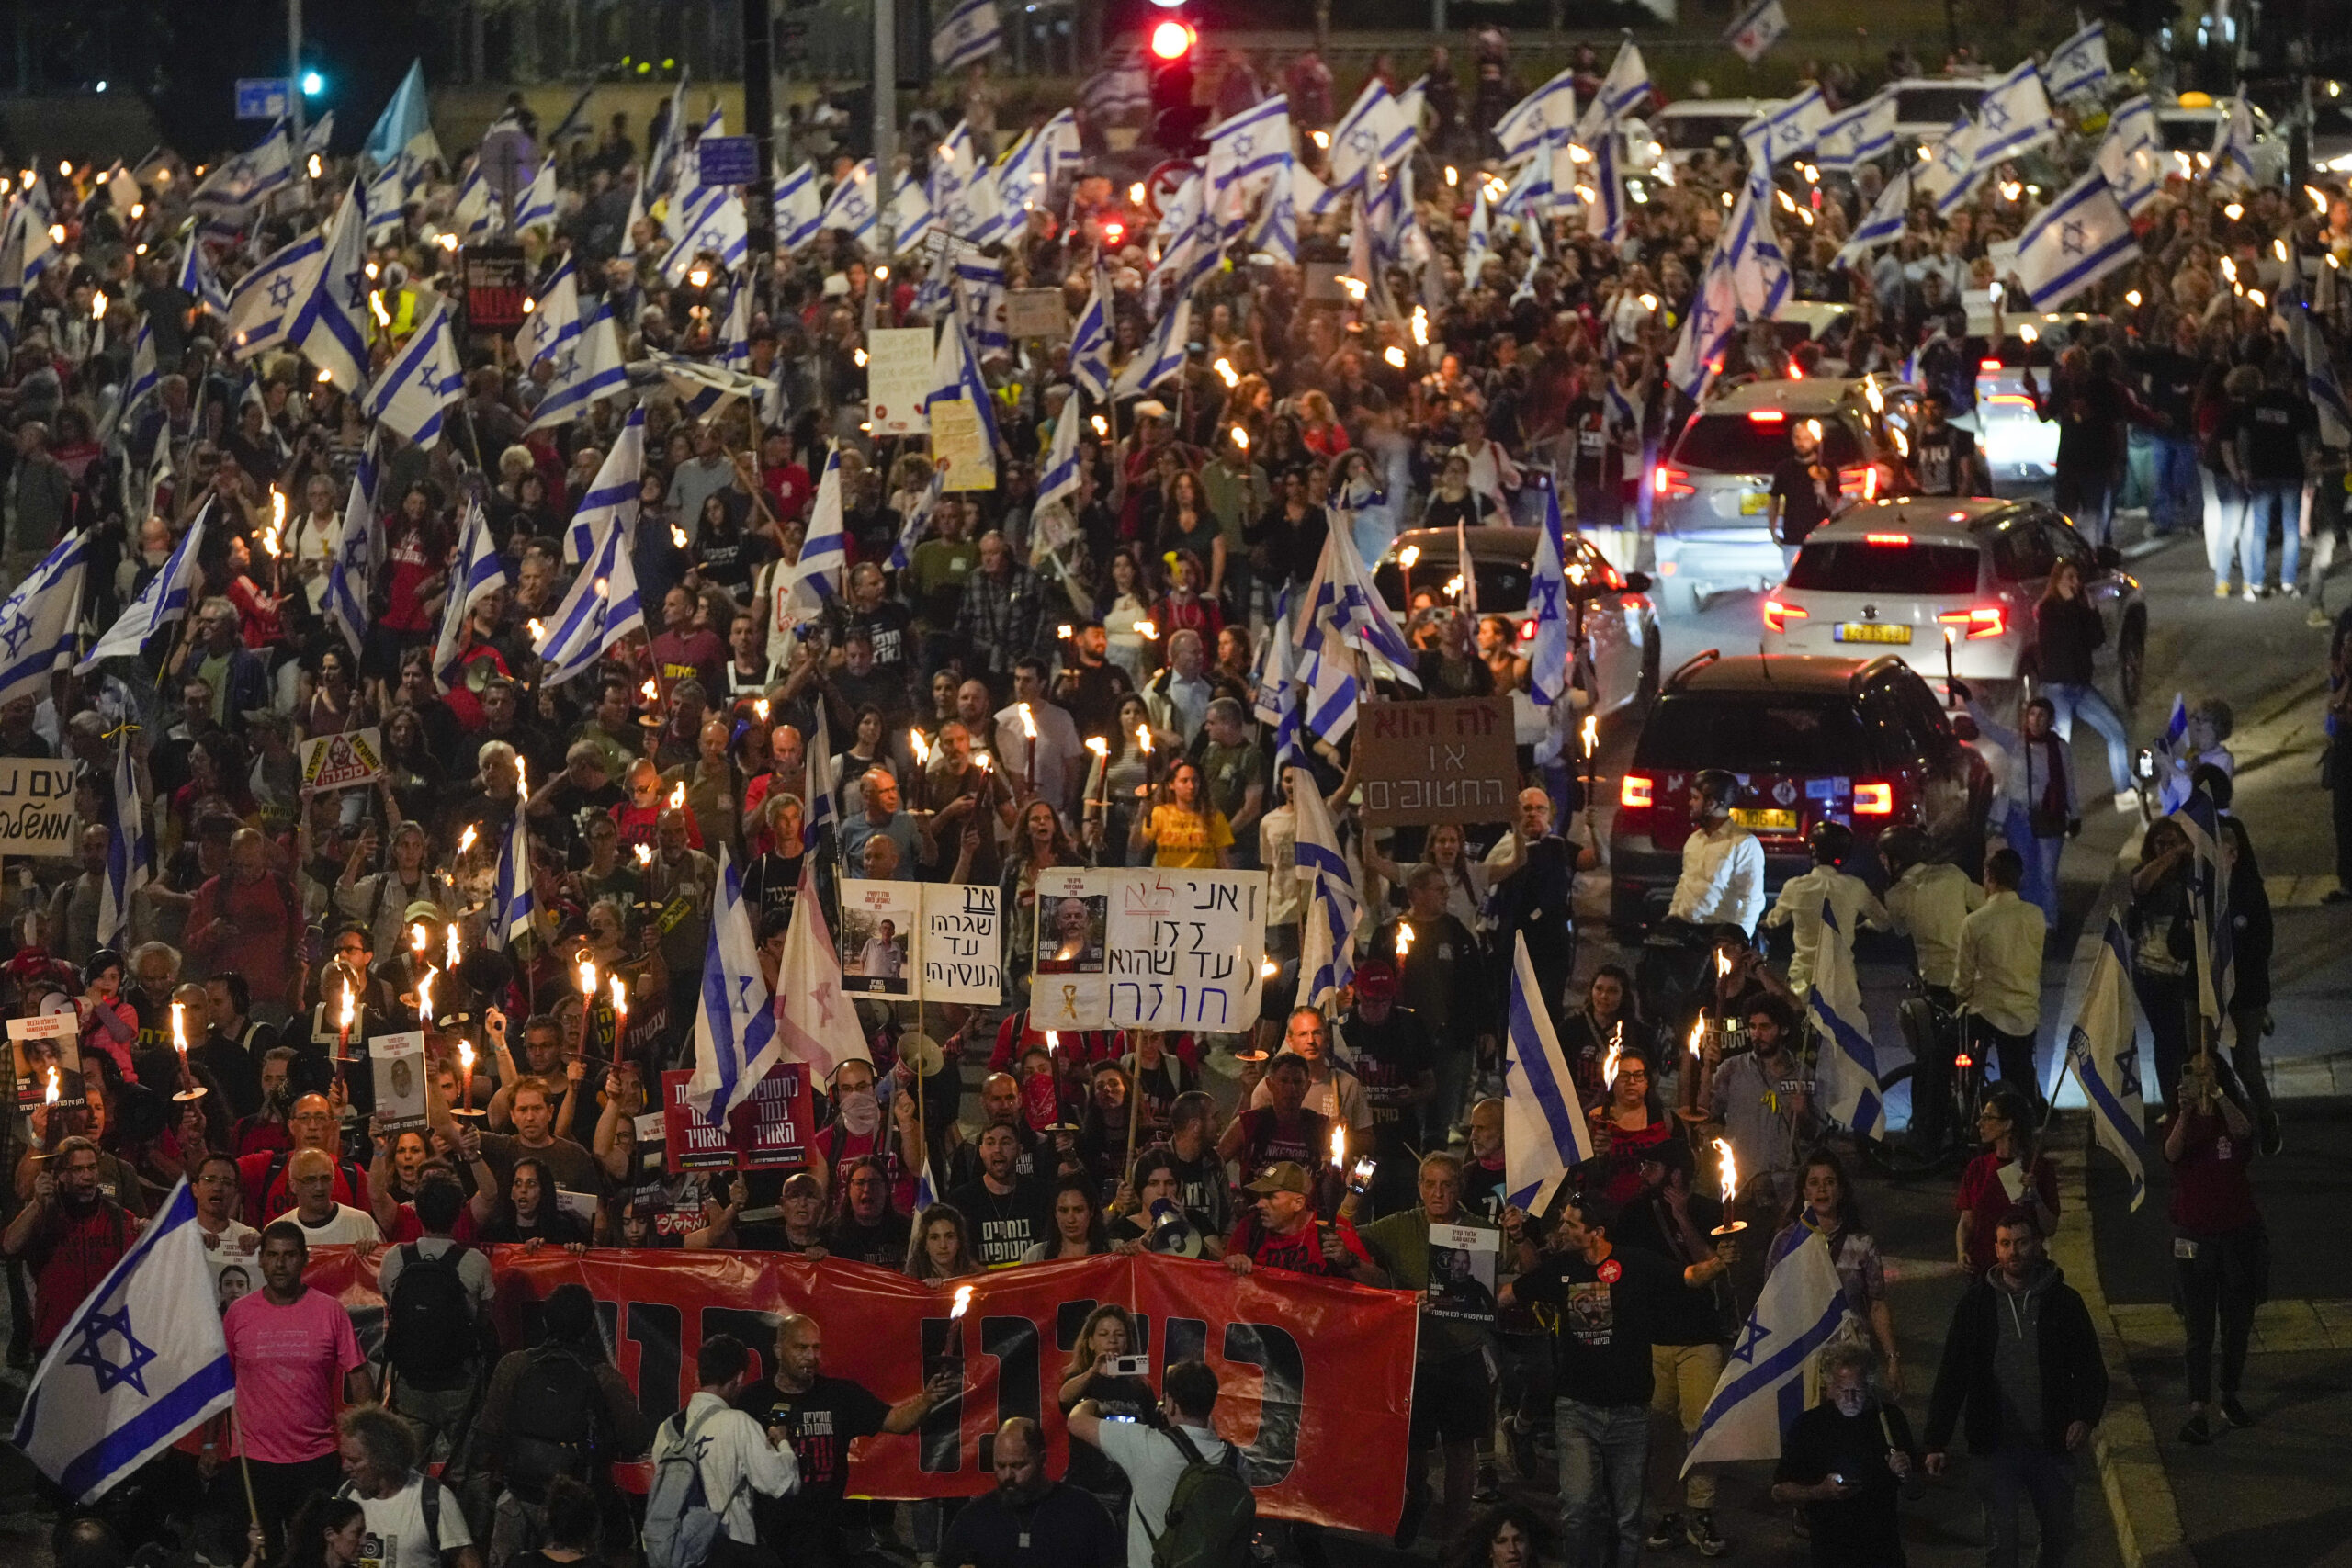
{"x": 1948, "y": 586}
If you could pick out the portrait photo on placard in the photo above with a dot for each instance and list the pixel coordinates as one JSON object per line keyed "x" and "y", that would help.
{"x": 876, "y": 939}
{"x": 1070, "y": 931}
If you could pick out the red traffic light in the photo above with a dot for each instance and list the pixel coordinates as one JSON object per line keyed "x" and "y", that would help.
{"x": 1171, "y": 41}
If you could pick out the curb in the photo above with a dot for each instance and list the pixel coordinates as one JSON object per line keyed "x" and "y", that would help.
{"x": 2131, "y": 1470}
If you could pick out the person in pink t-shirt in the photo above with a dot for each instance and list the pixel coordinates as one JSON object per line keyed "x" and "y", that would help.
{"x": 293, "y": 1352}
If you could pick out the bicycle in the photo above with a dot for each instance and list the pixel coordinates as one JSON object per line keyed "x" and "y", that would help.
{"x": 1942, "y": 1135}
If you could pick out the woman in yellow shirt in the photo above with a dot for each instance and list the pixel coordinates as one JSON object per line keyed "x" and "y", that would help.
{"x": 1183, "y": 830}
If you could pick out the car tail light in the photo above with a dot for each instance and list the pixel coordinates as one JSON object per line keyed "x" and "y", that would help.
{"x": 2019, "y": 398}
{"x": 1636, "y": 794}
{"x": 1778, "y": 615}
{"x": 1873, "y": 800}
{"x": 1988, "y": 620}
{"x": 1984, "y": 366}
{"x": 1768, "y": 417}
{"x": 1859, "y": 483}
{"x": 1897, "y": 539}
{"x": 1671, "y": 483}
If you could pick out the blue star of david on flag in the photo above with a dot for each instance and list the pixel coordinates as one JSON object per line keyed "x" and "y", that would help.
{"x": 281, "y": 291}
{"x": 18, "y": 627}
{"x": 2072, "y": 237}
{"x": 91, "y": 1351}
{"x": 1996, "y": 115}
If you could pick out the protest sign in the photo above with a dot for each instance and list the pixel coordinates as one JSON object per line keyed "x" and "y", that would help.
{"x": 44, "y": 1049}
{"x": 1036, "y": 313}
{"x": 1462, "y": 1273}
{"x": 772, "y": 1128}
{"x": 1149, "y": 949}
{"x": 897, "y": 379}
{"x": 961, "y": 947}
{"x": 878, "y": 922}
{"x": 690, "y": 1140}
{"x": 959, "y": 444}
{"x": 36, "y": 807}
{"x": 339, "y": 761}
{"x": 399, "y": 1064}
{"x": 1437, "y": 761}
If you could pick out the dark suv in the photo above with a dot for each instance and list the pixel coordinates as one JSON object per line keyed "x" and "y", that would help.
{"x": 1861, "y": 741}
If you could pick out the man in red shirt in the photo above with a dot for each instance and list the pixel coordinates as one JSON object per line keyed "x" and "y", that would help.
{"x": 310, "y": 1126}
{"x": 1285, "y": 1233}
{"x": 249, "y": 919}
{"x": 785, "y": 481}
{"x": 69, "y": 1235}
{"x": 683, "y": 650}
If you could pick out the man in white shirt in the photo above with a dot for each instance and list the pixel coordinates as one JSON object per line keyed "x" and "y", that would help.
{"x": 229, "y": 1244}
{"x": 1723, "y": 866}
{"x": 1060, "y": 765}
{"x": 310, "y": 1175}
{"x": 1927, "y": 900}
{"x": 1333, "y": 1091}
{"x": 411, "y": 1520}
{"x": 737, "y": 1458}
{"x": 1998, "y": 974}
{"x": 1154, "y": 1459}
{"x": 1849, "y": 898}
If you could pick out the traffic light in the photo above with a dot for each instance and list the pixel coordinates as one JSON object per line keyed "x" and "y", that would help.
{"x": 1176, "y": 120}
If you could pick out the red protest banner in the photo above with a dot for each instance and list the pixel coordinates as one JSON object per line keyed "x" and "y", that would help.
{"x": 768, "y": 1131}
{"x": 1315, "y": 1376}
{"x": 691, "y": 1141}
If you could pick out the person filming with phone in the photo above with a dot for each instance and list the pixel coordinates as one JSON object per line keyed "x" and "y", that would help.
{"x": 1845, "y": 1460}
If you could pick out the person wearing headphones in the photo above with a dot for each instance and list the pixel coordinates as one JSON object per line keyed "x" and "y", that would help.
{"x": 1723, "y": 865}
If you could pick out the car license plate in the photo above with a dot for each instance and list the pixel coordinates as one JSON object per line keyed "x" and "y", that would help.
{"x": 1764, "y": 819}
{"x": 1755, "y": 505}
{"x": 1871, "y": 631}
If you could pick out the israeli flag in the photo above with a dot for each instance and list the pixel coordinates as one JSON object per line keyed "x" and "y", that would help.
{"x": 980, "y": 293}
{"x": 2071, "y": 243}
{"x": 1326, "y": 668}
{"x": 2131, "y": 154}
{"x": 130, "y": 849}
{"x": 553, "y": 321}
{"x": 265, "y": 302}
{"x": 1883, "y": 224}
{"x": 1061, "y": 477}
{"x": 1547, "y": 596}
{"x": 2014, "y": 117}
{"x": 1785, "y": 132}
{"x": 735, "y": 1033}
{"x": 137, "y": 1366}
{"x": 1604, "y": 215}
{"x": 475, "y": 215}
{"x": 610, "y": 503}
{"x": 2320, "y": 383}
{"x": 329, "y": 328}
{"x": 512, "y": 900}
{"x": 421, "y": 382}
{"x": 1341, "y": 593}
{"x": 1801, "y": 1309}
{"x": 1250, "y": 148}
{"x": 1755, "y": 30}
{"x": 1370, "y": 135}
{"x": 1952, "y": 173}
{"x": 587, "y": 370}
{"x": 710, "y": 221}
{"x": 2078, "y": 65}
{"x": 971, "y": 32}
{"x": 1328, "y": 947}
{"x": 1759, "y": 269}
{"x": 387, "y": 191}
{"x": 481, "y": 572}
{"x": 735, "y": 331}
{"x": 1855, "y": 136}
{"x": 926, "y": 1194}
{"x": 1545, "y": 1132}
{"x": 817, "y": 808}
{"x": 197, "y": 281}
{"x": 1272, "y": 694}
{"x": 1851, "y": 1090}
{"x": 1295, "y": 190}
{"x": 163, "y": 600}
{"x": 2171, "y": 751}
{"x": 1706, "y": 333}
{"x": 2233, "y": 146}
{"x": 351, "y": 576}
{"x": 600, "y": 608}
{"x": 39, "y": 617}
{"x": 2103, "y": 1052}
{"x": 798, "y": 212}
{"x": 2209, "y": 889}
{"x": 1625, "y": 89}
{"x": 1529, "y": 195}
{"x": 1552, "y": 107}
{"x": 956, "y": 373}
{"x": 143, "y": 375}
{"x": 824, "y": 552}
{"x": 661, "y": 157}
{"x": 853, "y": 208}
{"x": 535, "y": 206}
{"x": 1162, "y": 355}
{"x": 919, "y": 515}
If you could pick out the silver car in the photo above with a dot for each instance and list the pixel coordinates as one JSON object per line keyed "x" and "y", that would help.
{"x": 1710, "y": 501}
{"x": 2018, "y": 447}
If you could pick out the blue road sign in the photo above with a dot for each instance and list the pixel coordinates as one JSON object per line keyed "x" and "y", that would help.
{"x": 262, "y": 97}
{"x": 728, "y": 160}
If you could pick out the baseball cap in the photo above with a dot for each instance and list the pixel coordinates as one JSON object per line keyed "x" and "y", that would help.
{"x": 1376, "y": 977}
{"x": 422, "y": 912}
{"x": 1282, "y": 1175}
{"x": 1152, "y": 408}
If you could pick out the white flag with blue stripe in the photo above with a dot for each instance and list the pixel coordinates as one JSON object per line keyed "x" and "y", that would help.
{"x": 2175, "y": 757}
{"x": 1547, "y": 597}
{"x": 1327, "y": 959}
{"x": 39, "y": 617}
{"x": 421, "y": 382}
{"x": 600, "y": 608}
{"x": 853, "y": 208}
{"x": 480, "y": 572}
{"x": 330, "y": 327}
{"x": 1884, "y": 222}
{"x": 131, "y": 848}
{"x": 797, "y": 208}
{"x": 824, "y": 551}
{"x": 1162, "y": 355}
{"x": 919, "y": 515}
{"x": 1856, "y": 135}
{"x": 1757, "y": 29}
{"x": 1271, "y": 691}
{"x": 1604, "y": 214}
{"x": 1340, "y": 594}
{"x": 265, "y": 301}
{"x": 198, "y": 280}
{"x": 1759, "y": 268}
{"x": 736, "y": 1042}
{"x": 2103, "y": 1051}
{"x": 1250, "y": 148}
{"x": 2014, "y": 117}
{"x": 1060, "y": 476}
{"x": 1370, "y": 135}
{"x": 2320, "y": 382}
{"x": 1327, "y": 677}
{"x": 817, "y": 805}
{"x": 2234, "y": 147}
{"x": 2071, "y": 243}
{"x": 553, "y": 321}
{"x": 1949, "y": 173}
{"x": 971, "y": 31}
{"x": 2132, "y": 154}
{"x": 956, "y": 373}
{"x": 163, "y": 600}
{"x": 2078, "y": 65}
{"x": 351, "y": 575}
{"x": 145, "y": 376}
{"x": 587, "y": 370}
{"x": 2208, "y": 897}
{"x": 1847, "y": 1062}
{"x": 535, "y": 208}
{"x": 1552, "y": 107}
{"x": 513, "y": 901}
{"x": 387, "y": 193}
{"x": 1625, "y": 89}
{"x": 1761, "y": 1390}
{"x": 1089, "y": 343}
{"x": 141, "y": 1360}
{"x": 1545, "y": 1134}
{"x": 1787, "y": 130}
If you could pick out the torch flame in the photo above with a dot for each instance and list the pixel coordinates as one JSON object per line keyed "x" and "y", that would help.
{"x": 1099, "y": 746}
{"x": 1722, "y": 963}
{"x": 1698, "y": 1033}
{"x": 1240, "y": 439}
{"x": 677, "y": 537}
{"x": 1028, "y": 722}
{"x": 1608, "y": 1064}
{"x": 1340, "y": 1144}
{"x": 1591, "y": 733}
{"x": 652, "y": 692}
{"x": 922, "y": 747}
{"x": 1143, "y": 737}
{"x": 588, "y": 977}
{"x": 50, "y": 1098}
{"x": 621, "y": 996}
{"x": 425, "y": 995}
{"x": 179, "y": 1030}
{"x": 678, "y": 794}
{"x": 539, "y": 629}
{"x": 645, "y": 854}
{"x": 1731, "y": 1171}
{"x": 465, "y": 843}
{"x": 418, "y": 935}
{"x": 1404, "y": 940}
{"x": 1269, "y": 969}
{"x": 760, "y": 707}
{"x": 345, "y": 1016}
{"x": 1053, "y": 1042}
{"x": 1147, "y": 629}
{"x": 963, "y": 1302}
{"x": 465, "y": 1055}
{"x": 451, "y": 962}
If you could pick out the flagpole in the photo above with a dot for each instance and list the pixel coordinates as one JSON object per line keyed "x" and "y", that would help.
{"x": 245, "y": 1467}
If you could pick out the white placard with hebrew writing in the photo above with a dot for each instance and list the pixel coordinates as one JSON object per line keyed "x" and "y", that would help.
{"x": 1067, "y": 988}
{"x": 897, "y": 379}
{"x": 36, "y": 807}
{"x": 1184, "y": 949}
{"x": 962, "y": 947}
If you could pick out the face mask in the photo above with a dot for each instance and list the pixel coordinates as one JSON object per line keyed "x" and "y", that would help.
{"x": 859, "y": 1111}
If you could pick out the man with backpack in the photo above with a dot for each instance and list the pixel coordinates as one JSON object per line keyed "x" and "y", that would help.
{"x": 411, "y": 1520}
{"x": 437, "y": 1295}
{"x": 1192, "y": 1504}
{"x": 708, "y": 1460}
{"x": 559, "y": 1409}
{"x": 1031, "y": 1520}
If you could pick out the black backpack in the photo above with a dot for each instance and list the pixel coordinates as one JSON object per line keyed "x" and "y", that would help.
{"x": 558, "y": 1426}
{"x": 429, "y": 1320}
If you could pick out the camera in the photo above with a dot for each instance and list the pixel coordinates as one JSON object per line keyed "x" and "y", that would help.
{"x": 1131, "y": 1365}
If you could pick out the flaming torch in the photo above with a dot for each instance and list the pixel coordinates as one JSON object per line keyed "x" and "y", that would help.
{"x": 466, "y": 1067}
{"x": 189, "y": 1089}
{"x": 1731, "y": 1191}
